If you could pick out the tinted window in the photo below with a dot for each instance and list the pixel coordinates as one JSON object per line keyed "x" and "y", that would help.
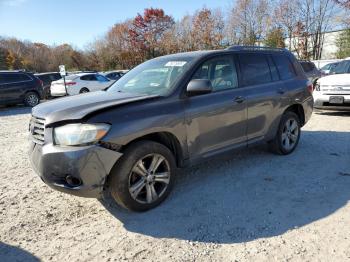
{"x": 220, "y": 71}
{"x": 88, "y": 78}
{"x": 284, "y": 66}
{"x": 307, "y": 66}
{"x": 55, "y": 77}
{"x": 273, "y": 69}
{"x": 11, "y": 78}
{"x": 255, "y": 69}
{"x": 111, "y": 75}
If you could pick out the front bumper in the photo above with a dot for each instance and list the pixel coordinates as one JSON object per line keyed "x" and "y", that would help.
{"x": 322, "y": 101}
{"x": 89, "y": 164}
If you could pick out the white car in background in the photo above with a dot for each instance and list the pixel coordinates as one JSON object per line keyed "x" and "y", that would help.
{"x": 333, "y": 91}
{"x": 80, "y": 83}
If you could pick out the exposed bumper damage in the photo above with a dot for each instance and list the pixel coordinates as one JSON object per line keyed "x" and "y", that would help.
{"x": 80, "y": 171}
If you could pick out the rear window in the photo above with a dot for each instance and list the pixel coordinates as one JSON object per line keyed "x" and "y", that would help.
{"x": 14, "y": 77}
{"x": 255, "y": 69}
{"x": 284, "y": 66}
{"x": 308, "y": 67}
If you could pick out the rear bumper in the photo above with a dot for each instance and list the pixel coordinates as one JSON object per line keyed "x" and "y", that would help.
{"x": 58, "y": 90}
{"x": 308, "y": 106}
{"x": 90, "y": 165}
{"x": 322, "y": 101}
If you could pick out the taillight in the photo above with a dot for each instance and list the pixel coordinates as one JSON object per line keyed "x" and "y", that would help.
{"x": 310, "y": 87}
{"x": 71, "y": 83}
{"x": 41, "y": 82}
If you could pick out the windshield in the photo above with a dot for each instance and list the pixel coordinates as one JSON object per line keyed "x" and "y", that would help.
{"x": 154, "y": 77}
{"x": 342, "y": 68}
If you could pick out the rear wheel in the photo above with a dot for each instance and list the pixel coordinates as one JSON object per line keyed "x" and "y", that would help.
{"x": 84, "y": 90}
{"x": 144, "y": 176}
{"x": 31, "y": 99}
{"x": 288, "y": 134}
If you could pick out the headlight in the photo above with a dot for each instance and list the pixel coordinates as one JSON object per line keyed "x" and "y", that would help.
{"x": 79, "y": 134}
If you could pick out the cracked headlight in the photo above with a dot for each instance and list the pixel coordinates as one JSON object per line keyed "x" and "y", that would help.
{"x": 79, "y": 134}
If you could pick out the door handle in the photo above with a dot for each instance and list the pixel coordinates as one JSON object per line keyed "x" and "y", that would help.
{"x": 281, "y": 91}
{"x": 239, "y": 99}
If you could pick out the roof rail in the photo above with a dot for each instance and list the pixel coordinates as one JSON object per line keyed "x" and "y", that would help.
{"x": 253, "y": 48}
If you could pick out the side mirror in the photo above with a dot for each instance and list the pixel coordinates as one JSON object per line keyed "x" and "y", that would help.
{"x": 199, "y": 87}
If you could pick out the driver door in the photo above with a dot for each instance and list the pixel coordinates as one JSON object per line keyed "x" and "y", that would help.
{"x": 216, "y": 121}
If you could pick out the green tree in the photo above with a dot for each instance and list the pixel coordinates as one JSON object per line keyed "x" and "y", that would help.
{"x": 343, "y": 44}
{"x": 275, "y": 38}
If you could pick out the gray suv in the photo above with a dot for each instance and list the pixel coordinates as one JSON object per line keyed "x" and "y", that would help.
{"x": 167, "y": 113}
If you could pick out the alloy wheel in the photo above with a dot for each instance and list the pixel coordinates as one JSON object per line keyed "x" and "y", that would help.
{"x": 149, "y": 178}
{"x": 290, "y": 134}
{"x": 32, "y": 100}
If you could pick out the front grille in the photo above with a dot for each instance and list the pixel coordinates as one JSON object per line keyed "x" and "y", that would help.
{"x": 37, "y": 130}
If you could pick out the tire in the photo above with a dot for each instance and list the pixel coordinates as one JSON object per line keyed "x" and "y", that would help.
{"x": 31, "y": 99}
{"x": 143, "y": 183}
{"x": 288, "y": 134}
{"x": 84, "y": 90}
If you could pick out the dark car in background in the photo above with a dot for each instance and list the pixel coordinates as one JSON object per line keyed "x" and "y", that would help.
{"x": 18, "y": 87}
{"x": 168, "y": 113}
{"x": 311, "y": 71}
{"x": 47, "y": 78}
{"x": 113, "y": 75}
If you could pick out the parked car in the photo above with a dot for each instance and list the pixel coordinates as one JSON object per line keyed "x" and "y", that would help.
{"x": 47, "y": 78}
{"x": 333, "y": 91}
{"x": 327, "y": 69}
{"x": 167, "y": 113}
{"x": 113, "y": 75}
{"x": 18, "y": 87}
{"x": 311, "y": 71}
{"x": 79, "y": 83}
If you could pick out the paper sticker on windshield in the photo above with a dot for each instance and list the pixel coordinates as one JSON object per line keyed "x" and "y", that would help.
{"x": 176, "y": 63}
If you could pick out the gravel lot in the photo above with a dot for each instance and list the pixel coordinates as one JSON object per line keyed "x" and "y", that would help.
{"x": 253, "y": 206}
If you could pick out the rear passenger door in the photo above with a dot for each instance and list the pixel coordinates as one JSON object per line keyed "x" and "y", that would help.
{"x": 260, "y": 79}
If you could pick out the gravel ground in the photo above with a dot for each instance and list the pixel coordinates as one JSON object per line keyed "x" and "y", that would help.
{"x": 253, "y": 206}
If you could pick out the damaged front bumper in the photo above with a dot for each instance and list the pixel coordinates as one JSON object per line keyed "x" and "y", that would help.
{"x": 80, "y": 171}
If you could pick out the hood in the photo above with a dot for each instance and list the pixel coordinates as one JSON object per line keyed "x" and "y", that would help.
{"x": 79, "y": 106}
{"x": 338, "y": 80}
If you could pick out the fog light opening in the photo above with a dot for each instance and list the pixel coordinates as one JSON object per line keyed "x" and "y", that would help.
{"x": 73, "y": 181}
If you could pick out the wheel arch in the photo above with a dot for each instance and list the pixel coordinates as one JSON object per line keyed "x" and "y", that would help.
{"x": 165, "y": 138}
{"x": 298, "y": 110}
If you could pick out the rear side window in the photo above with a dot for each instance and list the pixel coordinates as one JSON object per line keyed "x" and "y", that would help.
{"x": 88, "y": 78}
{"x": 284, "y": 66}
{"x": 255, "y": 69}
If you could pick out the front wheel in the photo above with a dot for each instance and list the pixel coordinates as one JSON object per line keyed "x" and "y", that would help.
{"x": 143, "y": 177}
{"x": 288, "y": 134}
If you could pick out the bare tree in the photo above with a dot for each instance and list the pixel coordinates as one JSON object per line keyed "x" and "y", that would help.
{"x": 249, "y": 20}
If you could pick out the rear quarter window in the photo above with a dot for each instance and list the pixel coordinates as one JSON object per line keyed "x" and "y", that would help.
{"x": 255, "y": 69}
{"x": 284, "y": 66}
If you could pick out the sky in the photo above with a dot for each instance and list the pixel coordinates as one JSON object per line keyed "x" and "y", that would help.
{"x": 79, "y": 22}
